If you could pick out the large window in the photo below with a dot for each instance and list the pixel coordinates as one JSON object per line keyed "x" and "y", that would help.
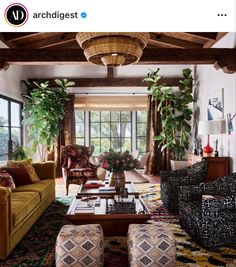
{"x": 110, "y": 130}
{"x": 141, "y": 131}
{"x": 79, "y": 127}
{"x": 10, "y": 126}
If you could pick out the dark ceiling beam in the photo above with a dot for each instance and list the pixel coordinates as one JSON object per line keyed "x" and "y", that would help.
{"x": 210, "y": 43}
{"x": 226, "y": 56}
{"x": 111, "y": 82}
{"x": 150, "y": 56}
{"x": 205, "y": 35}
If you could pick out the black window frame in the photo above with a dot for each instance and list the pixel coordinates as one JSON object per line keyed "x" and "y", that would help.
{"x": 10, "y": 127}
{"x": 110, "y": 121}
{"x": 140, "y": 136}
{"x": 79, "y": 122}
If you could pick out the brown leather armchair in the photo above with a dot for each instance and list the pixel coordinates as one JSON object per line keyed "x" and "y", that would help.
{"x": 76, "y": 168}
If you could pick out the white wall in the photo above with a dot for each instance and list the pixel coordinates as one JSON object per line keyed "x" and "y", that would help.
{"x": 211, "y": 80}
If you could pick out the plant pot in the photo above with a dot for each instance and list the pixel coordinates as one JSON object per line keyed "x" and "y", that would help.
{"x": 178, "y": 164}
{"x": 117, "y": 179}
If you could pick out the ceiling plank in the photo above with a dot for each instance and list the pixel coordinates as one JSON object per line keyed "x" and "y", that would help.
{"x": 111, "y": 82}
{"x": 205, "y": 35}
{"x": 150, "y": 56}
{"x": 210, "y": 43}
{"x": 57, "y": 40}
{"x": 161, "y": 40}
{"x": 16, "y": 36}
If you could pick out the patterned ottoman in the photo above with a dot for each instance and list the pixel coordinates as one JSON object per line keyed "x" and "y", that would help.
{"x": 151, "y": 245}
{"x": 80, "y": 246}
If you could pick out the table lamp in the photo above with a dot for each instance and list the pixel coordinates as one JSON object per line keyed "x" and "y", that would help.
{"x": 211, "y": 127}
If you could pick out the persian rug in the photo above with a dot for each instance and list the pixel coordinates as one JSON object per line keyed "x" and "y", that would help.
{"x": 38, "y": 246}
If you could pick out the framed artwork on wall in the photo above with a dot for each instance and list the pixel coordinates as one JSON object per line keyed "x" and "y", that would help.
{"x": 215, "y": 105}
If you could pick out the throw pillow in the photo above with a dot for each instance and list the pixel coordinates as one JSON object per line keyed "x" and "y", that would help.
{"x": 6, "y": 180}
{"x": 27, "y": 164}
{"x": 19, "y": 175}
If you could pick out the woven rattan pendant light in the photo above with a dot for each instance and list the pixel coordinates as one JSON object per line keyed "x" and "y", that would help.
{"x": 112, "y": 48}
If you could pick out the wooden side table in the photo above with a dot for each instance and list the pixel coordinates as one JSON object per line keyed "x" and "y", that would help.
{"x": 217, "y": 166}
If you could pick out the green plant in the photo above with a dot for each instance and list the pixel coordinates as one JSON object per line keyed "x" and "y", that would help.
{"x": 175, "y": 113}
{"x": 45, "y": 111}
{"x": 21, "y": 153}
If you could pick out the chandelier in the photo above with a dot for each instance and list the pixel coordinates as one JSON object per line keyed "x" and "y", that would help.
{"x": 112, "y": 48}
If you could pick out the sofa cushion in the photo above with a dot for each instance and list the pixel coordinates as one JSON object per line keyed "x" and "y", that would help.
{"x": 19, "y": 175}
{"x": 43, "y": 187}
{"x": 22, "y": 204}
{"x": 6, "y": 180}
{"x": 27, "y": 164}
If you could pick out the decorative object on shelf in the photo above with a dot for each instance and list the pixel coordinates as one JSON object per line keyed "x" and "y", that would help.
{"x": 209, "y": 128}
{"x": 113, "y": 48}
{"x": 216, "y": 148}
{"x": 200, "y": 148}
{"x": 117, "y": 163}
{"x": 194, "y": 148}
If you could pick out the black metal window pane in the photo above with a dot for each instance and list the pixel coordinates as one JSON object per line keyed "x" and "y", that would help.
{"x": 15, "y": 114}
{"x": 142, "y": 116}
{"x": 115, "y": 116}
{"x": 95, "y": 129}
{"x": 105, "y": 129}
{"x": 15, "y": 137}
{"x": 79, "y": 116}
{"x": 4, "y": 114}
{"x": 79, "y": 129}
{"x": 80, "y": 141}
{"x": 105, "y": 144}
{"x": 125, "y": 144}
{"x": 95, "y": 116}
{"x": 125, "y": 116}
{"x": 96, "y": 142}
{"x": 105, "y": 116}
{"x": 115, "y": 130}
{"x": 141, "y": 144}
{"x": 116, "y": 144}
{"x": 141, "y": 129}
{"x": 4, "y": 137}
{"x": 126, "y": 129}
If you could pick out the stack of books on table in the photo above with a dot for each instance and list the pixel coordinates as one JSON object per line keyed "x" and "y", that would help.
{"x": 84, "y": 207}
{"x": 93, "y": 184}
{"x": 108, "y": 189}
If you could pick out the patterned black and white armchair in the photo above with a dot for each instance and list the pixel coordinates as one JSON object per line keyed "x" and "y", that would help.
{"x": 208, "y": 211}
{"x": 171, "y": 180}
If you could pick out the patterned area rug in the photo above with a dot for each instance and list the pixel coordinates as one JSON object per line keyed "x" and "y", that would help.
{"x": 38, "y": 246}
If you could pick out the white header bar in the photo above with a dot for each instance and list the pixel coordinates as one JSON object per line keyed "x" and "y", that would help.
{"x": 122, "y": 15}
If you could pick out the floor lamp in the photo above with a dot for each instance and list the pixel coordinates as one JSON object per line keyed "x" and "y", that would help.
{"x": 210, "y": 128}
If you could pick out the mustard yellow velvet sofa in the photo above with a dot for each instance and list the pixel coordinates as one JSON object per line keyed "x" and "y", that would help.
{"x": 20, "y": 209}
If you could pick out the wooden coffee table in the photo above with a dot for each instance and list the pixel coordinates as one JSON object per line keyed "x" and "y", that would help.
{"x": 112, "y": 224}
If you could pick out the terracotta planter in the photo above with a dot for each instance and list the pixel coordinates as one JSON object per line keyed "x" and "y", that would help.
{"x": 178, "y": 164}
{"x": 117, "y": 179}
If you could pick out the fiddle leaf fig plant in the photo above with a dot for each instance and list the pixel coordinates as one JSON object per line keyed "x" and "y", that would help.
{"x": 44, "y": 106}
{"x": 176, "y": 113}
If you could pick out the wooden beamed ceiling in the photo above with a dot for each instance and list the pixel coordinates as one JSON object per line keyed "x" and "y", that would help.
{"x": 163, "y": 48}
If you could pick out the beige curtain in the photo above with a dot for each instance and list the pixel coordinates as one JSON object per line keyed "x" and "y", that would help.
{"x": 157, "y": 160}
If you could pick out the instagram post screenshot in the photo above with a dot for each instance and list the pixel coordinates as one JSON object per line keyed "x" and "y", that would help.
{"x": 118, "y": 133}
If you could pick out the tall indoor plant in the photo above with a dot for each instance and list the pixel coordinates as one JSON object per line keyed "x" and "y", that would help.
{"x": 176, "y": 113}
{"x": 44, "y": 106}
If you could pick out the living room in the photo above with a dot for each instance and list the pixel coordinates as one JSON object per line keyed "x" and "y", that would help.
{"x": 119, "y": 91}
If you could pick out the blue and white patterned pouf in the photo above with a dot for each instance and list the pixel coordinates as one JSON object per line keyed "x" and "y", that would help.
{"x": 80, "y": 246}
{"x": 151, "y": 245}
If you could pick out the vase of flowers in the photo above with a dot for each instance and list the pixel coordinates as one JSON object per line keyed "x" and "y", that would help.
{"x": 117, "y": 163}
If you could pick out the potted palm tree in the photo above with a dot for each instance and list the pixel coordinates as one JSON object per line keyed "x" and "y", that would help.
{"x": 45, "y": 111}
{"x": 176, "y": 113}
